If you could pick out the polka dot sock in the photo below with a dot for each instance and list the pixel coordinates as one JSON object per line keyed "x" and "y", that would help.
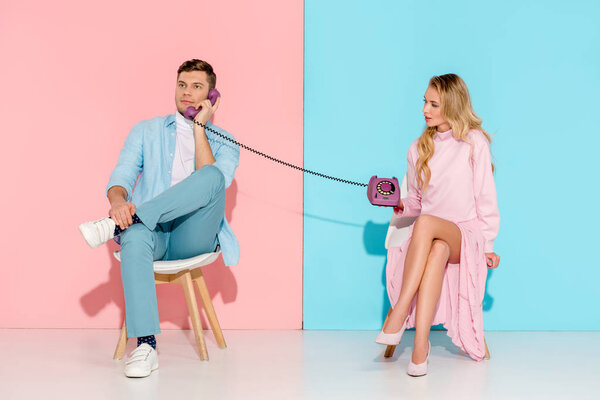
{"x": 151, "y": 340}
{"x": 134, "y": 218}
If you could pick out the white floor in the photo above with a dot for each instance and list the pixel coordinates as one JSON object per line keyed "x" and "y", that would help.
{"x": 77, "y": 364}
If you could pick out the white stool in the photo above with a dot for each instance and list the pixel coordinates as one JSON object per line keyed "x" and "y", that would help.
{"x": 183, "y": 272}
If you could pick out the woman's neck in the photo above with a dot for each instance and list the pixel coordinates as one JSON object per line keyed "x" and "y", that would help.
{"x": 445, "y": 127}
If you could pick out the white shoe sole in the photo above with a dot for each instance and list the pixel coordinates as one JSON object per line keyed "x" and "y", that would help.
{"x": 89, "y": 235}
{"x": 136, "y": 373}
{"x": 417, "y": 374}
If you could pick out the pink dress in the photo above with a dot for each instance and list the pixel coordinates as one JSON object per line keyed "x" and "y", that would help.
{"x": 461, "y": 190}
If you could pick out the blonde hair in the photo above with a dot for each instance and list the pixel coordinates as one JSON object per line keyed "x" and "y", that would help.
{"x": 456, "y": 108}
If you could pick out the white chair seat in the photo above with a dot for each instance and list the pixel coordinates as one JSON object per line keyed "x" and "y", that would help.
{"x": 398, "y": 230}
{"x": 175, "y": 266}
{"x": 186, "y": 273}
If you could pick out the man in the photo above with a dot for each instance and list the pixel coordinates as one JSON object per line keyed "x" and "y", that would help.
{"x": 177, "y": 208}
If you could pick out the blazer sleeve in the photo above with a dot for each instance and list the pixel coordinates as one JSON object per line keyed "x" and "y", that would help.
{"x": 485, "y": 192}
{"x": 412, "y": 201}
{"x": 130, "y": 162}
{"x": 227, "y": 158}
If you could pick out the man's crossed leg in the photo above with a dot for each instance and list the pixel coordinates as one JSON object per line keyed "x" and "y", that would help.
{"x": 179, "y": 223}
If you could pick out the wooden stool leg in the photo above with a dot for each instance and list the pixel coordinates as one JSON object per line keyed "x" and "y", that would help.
{"x": 389, "y": 351}
{"x": 190, "y": 297}
{"x": 487, "y": 352}
{"x": 210, "y": 311}
{"x": 122, "y": 342}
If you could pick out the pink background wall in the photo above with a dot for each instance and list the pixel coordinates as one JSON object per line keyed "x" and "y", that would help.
{"x": 75, "y": 77}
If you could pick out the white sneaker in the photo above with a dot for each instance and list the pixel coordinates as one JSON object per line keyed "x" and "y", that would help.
{"x": 97, "y": 232}
{"x": 142, "y": 361}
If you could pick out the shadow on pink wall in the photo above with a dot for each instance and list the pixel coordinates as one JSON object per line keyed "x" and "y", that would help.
{"x": 171, "y": 300}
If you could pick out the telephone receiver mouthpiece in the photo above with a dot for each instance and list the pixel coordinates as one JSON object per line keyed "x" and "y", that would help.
{"x": 191, "y": 111}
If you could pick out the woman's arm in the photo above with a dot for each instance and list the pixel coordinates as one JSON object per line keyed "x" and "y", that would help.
{"x": 485, "y": 192}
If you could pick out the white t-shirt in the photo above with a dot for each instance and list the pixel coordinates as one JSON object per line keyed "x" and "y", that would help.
{"x": 185, "y": 149}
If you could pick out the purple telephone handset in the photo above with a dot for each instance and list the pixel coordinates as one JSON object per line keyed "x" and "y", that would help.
{"x": 384, "y": 191}
{"x": 191, "y": 112}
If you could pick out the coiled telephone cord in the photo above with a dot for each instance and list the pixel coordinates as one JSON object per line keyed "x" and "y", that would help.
{"x": 308, "y": 171}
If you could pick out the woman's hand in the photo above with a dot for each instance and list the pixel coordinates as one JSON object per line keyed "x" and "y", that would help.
{"x": 207, "y": 111}
{"x": 121, "y": 213}
{"x": 492, "y": 260}
{"x": 399, "y": 208}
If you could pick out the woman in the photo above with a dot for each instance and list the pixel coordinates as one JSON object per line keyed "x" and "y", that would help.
{"x": 451, "y": 190}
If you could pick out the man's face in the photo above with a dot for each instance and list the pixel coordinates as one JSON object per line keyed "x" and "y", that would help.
{"x": 192, "y": 88}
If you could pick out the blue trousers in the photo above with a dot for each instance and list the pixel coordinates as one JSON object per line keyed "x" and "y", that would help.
{"x": 181, "y": 222}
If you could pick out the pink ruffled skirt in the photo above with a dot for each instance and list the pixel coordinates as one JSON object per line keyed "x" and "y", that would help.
{"x": 459, "y": 309}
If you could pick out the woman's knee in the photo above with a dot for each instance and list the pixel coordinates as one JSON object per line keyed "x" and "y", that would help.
{"x": 423, "y": 226}
{"x": 440, "y": 250}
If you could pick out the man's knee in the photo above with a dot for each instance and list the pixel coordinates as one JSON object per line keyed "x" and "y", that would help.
{"x": 213, "y": 175}
{"x": 136, "y": 233}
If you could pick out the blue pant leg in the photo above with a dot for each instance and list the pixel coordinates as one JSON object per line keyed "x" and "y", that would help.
{"x": 196, "y": 232}
{"x": 139, "y": 248}
{"x": 191, "y": 194}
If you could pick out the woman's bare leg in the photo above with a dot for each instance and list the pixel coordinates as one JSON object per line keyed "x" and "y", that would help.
{"x": 428, "y": 297}
{"x": 427, "y": 228}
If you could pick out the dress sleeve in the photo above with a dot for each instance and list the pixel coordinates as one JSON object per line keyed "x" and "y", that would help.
{"x": 485, "y": 193}
{"x": 412, "y": 201}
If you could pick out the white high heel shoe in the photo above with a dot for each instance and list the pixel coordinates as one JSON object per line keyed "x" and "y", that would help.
{"x": 419, "y": 369}
{"x": 391, "y": 339}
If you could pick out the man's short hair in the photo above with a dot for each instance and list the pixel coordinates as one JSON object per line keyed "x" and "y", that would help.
{"x": 199, "y": 65}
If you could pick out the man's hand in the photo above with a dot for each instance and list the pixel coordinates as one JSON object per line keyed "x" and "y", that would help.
{"x": 207, "y": 111}
{"x": 121, "y": 213}
{"x": 492, "y": 260}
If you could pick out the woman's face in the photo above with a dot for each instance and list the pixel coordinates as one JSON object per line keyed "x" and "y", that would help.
{"x": 432, "y": 110}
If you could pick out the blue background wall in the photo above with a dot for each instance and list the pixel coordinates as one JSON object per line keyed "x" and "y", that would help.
{"x": 533, "y": 73}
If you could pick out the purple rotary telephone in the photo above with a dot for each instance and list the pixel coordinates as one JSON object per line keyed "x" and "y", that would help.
{"x": 191, "y": 112}
{"x": 383, "y": 191}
